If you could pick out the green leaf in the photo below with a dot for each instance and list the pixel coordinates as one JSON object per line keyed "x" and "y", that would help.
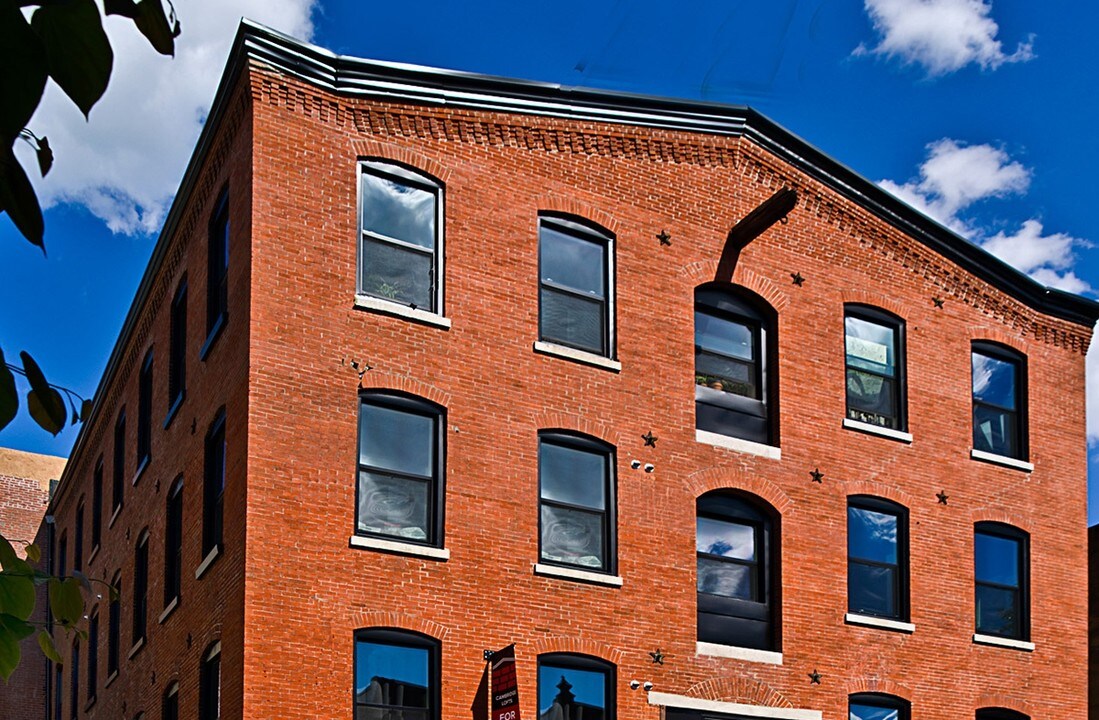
{"x": 78, "y": 53}
{"x": 17, "y": 196}
{"x": 8, "y": 558}
{"x": 83, "y": 580}
{"x": 45, "y": 155}
{"x": 125, "y": 8}
{"x": 66, "y": 601}
{"x": 149, "y": 17}
{"x": 16, "y": 595}
{"x": 12, "y": 630}
{"x": 45, "y": 641}
{"x": 45, "y": 404}
{"x": 85, "y": 410}
{"x": 34, "y": 553}
{"x": 9, "y": 396}
{"x": 22, "y": 71}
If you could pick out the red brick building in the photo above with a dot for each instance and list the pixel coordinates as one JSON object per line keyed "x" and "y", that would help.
{"x": 428, "y": 363}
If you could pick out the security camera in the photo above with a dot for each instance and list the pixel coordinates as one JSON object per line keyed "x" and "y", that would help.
{"x": 648, "y": 686}
{"x": 635, "y": 464}
{"x": 649, "y": 467}
{"x": 634, "y": 684}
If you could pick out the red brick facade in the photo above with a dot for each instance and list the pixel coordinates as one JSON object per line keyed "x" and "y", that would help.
{"x": 288, "y": 591}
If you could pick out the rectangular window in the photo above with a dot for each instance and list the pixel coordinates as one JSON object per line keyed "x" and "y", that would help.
{"x": 114, "y": 625}
{"x": 145, "y": 411}
{"x": 93, "y": 655}
{"x": 78, "y": 538}
{"x": 141, "y": 589}
{"x": 396, "y": 676}
{"x": 1001, "y": 574}
{"x": 213, "y": 486}
{"x": 74, "y": 679}
{"x": 97, "y": 503}
{"x": 400, "y": 235}
{"x": 62, "y": 552}
{"x": 217, "y": 277}
{"x": 576, "y": 500}
{"x": 999, "y": 401}
{"x": 874, "y": 343}
{"x": 173, "y": 543}
{"x": 575, "y": 687}
{"x": 177, "y": 348}
{"x": 209, "y": 685}
{"x": 574, "y": 290}
{"x": 400, "y": 492}
{"x": 58, "y": 680}
{"x": 877, "y": 558}
{"x": 118, "y": 484}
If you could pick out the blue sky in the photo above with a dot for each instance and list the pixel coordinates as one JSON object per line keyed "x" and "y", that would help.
{"x": 975, "y": 112}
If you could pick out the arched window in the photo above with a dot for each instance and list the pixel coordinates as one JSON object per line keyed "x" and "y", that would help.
{"x": 213, "y": 490}
{"x": 1002, "y": 576}
{"x": 575, "y": 687}
{"x": 576, "y": 284}
{"x": 877, "y": 558}
{"x": 169, "y": 705}
{"x": 1000, "y": 714}
{"x": 401, "y": 236}
{"x": 141, "y": 588}
{"x": 209, "y": 684}
{"x": 878, "y": 706}
{"x": 114, "y": 625}
{"x": 396, "y": 675}
{"x": 999, "y": 401}
{"x": 401, "y": 460}
{"x": 735, "y": 359}
{"x": 173, "y": 543}
{"x": 737, "y": 545}
{"x": 875, "y": 371}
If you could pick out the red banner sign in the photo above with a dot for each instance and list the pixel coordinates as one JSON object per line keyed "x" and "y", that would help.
{"x": 505, "y": 687}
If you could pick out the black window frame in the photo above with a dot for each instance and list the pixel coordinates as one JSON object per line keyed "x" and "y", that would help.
{"x": 1000, "y": 713}
{"x": 209, "y": 683}
{"x": 586, "y": 663}
{"x": 74, "y": 679}
{"x": 144, "y": 445}
{"x": 214, "y": 482}
{"x": 58, "y": 694}
{"x": 882, "y": 318}
{"x": 901, "y": 581}
{"x": 177, "y": 351}
{"x": 399, "y": 637}
{"x": 114, "y": 625}
{"x": 93, "y": 655}
{"x": 78, "y": 537}
{"x": 584, "y": 443}
{"x": 436, "y": 494}
{"x": 585, "y": 230}
{"x": 62, "y": 551}
{"x": 140, "y": 607}
{"x": 1022, "y": 539}
{"x": 97, "y": 504}
{"x": 118, "y": 469}
{"x": 403, "y": 174}
{"x": 737, "y": 622}
{"x": 169, "y": 702}
{"x": 883, "y": 701}
{"x": 217, "y": 272}
{"x": 173, "y": 542}
{"x": 723, "y": 412}
{"x": 1003, "y": 353}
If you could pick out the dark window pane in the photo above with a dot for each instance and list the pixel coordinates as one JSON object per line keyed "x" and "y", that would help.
{"x": 391, "y": 676}
{"x": 726, "y": 539}
{"x": 872, "y": 589}
{"x": 397, "y": 273}
{"x": 728, "y": 579}
{"x": 397, "y": 440}
{"x": 870, "y": 346}
{"x": 994, "y": 431}
{"x": 393, "y": 506}
{"x": 573, "y": 476}
{"x": 870, "y": 398}
{"x": 573, "y": 262}
{"x": 566, "y": 693}
{"x": 871, "y": 535}
{"x": 725, "y": 374}
{"x": 997, "y": 611}
{"x": 994, "y": 381}
{"x": 869, "y": 712}
{"x": 572, "y": 320}
{"x": 572, "y": 536}
{"x": 724, "y": 336}
{"x": 398, "y": 210}
{"x": 997, "y": 559}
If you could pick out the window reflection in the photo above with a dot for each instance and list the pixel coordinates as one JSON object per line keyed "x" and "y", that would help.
{"x": 569, "y": 693}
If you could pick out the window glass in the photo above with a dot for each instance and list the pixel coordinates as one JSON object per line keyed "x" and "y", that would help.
{"x": 1000, "y": 593}
{"x": 145, "y": 410}
{"x": 993, "y": 381}
{"x": 394, "y": 273}
{"x": 572, "y": 693}
{"x": 997, "y": 559}
{"x": 398, "y": 210}
{"x": 177, "y": 346}
{"x": 573, "y": 262}
{"x": 874, "y": 367}
{"x": 210, "y": 686}
{"x": 173, "y": 543}
{"x": 860, "y": 711}
{"x": 573, "y": 294}
{"x": 725, "y": 539}
{"x": 876, "y": 559}
{"x": 393, "y": 681}
{"x": 396, "y": 440}
{"x": 114, "y": 624}
{"x": 724, "y": 336}
{"x": 213, "y": 486}
{"x": 870, "y": 346}
{"x": 871, "y": 535}
{"x": 574, "y": 477}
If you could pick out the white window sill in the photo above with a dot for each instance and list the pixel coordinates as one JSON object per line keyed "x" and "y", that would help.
{"x": 1003, "y": 642}
{"x": 738, "y": 653}
{"x": 869, "y": 429}
{"x": 730, "y": 708}
{"x": 110, "y": 679}
{"x": 140, "y": 470}
{"x": 577, "y": 574}
{"x": 877, "y": 622}
{"x": 744, "y": 446}
{"x": 136, "y": 648}
{"x": 207, "y": 562}
{"x": 168, "y": 610}
{"x": 114, "y": 516}
{"x": 583, "y": 356}
{"x": 1001, "y": 460}
{"x": 386, "y": 307}
{"x": 92, "y": 554}
{"x": 401, "y": 548}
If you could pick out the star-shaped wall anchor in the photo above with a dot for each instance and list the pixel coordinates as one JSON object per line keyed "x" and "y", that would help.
{"x": 817, "y": 475}
{"x": 664, "y": 237}
{"x": 814, "y": 677}
{"x": 650, "y": 439}
{"x": 797, "y": 278}
{"x": 942, "y": 497}
{"x": 658, "y": 657}
{"x": 938, "y": 301}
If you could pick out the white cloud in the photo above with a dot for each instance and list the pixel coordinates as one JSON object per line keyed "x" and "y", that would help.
{"x": 941, "y": 35}
{"x": 1030, "y": 251}
{"x": 125, "y": 163}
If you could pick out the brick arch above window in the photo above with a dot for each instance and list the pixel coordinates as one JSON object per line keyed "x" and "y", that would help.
{"x": 364, "y": 619}
{"x": 863, "y": 297}
{"x": 742, "y": 690}
{"x": 722, "y": 478}
{"x": 576, "y": 423}
{"x": 377, "y": 380}
{"x": 1022, "y": 523}
{"x": 993, "y": 335}
{"x": 704, "y": 271}
{"x": 880, "y": 686}
{"x": 879, "y": 490}
{"x": 576, "y": 646}
{"x": 396, "y": 153}
{"x": 989, "y": 700}
{"x": 562, "y": 204}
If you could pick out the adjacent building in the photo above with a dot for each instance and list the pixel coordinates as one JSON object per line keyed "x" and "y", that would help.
{"x": 428, "y": 363}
